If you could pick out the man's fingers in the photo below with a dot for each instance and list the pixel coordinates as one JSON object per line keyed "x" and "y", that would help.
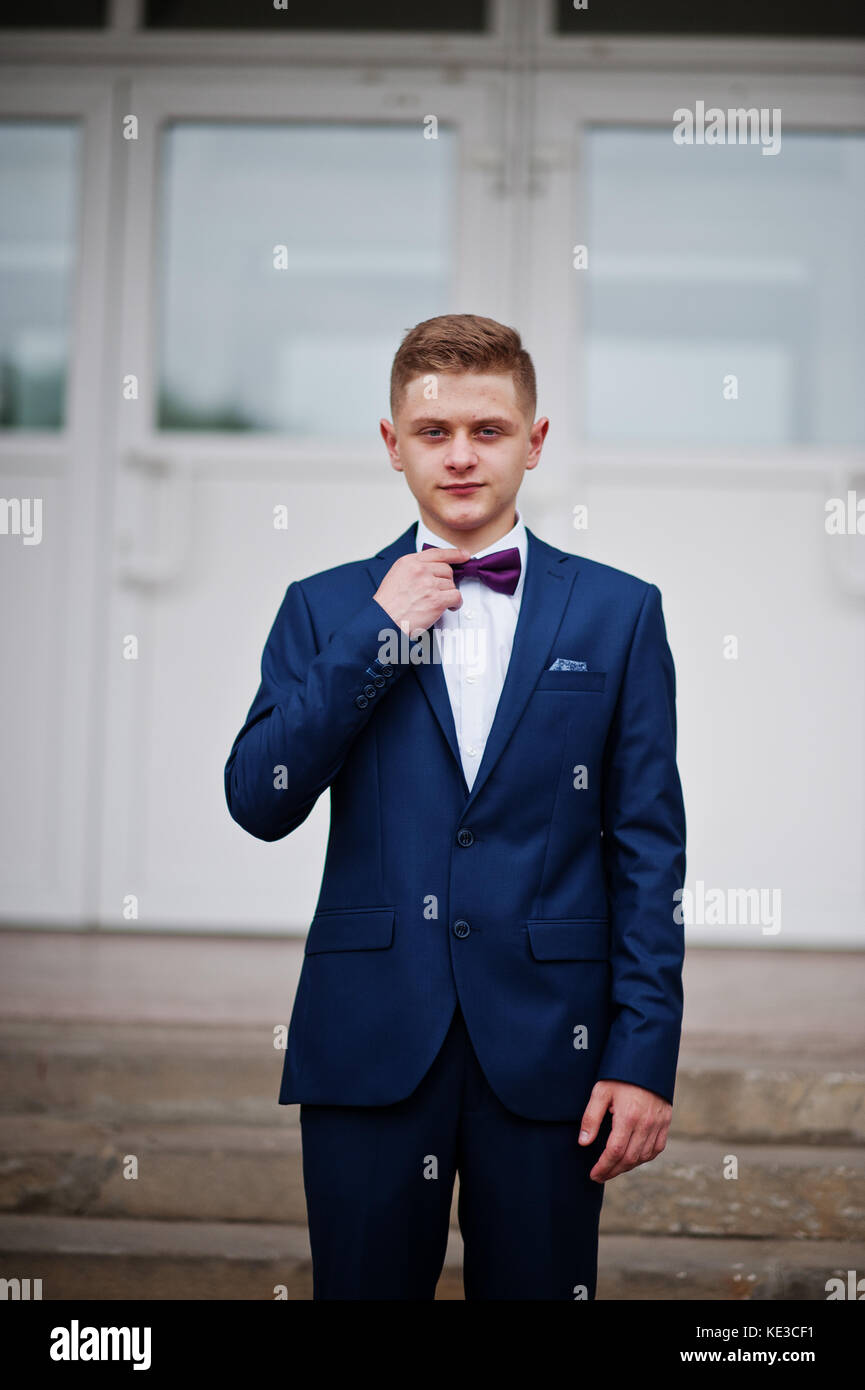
{"x": 442, "y": 573}
{"x": 636, "y": 1145}
{"x": 654, "y": 1143}
{"x": 607, "y": 1165}
{"x": 610, "y": 1162}
{"x": 436, "y": 555}
{"x": 641, "y": 1122}
{"x": 647, "y": 1146}
{"x": 638, "y": 1142}
{"x": 599, "y": 1104}
{"x": 419, "y": 587}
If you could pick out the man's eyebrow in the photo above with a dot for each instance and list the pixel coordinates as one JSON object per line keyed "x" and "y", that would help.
{"x": 425, "y": 421}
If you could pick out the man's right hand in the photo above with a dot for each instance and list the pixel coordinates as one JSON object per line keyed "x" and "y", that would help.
{"x": 419, "y": 587}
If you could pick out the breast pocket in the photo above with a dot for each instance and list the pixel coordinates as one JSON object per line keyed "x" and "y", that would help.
{"x": 590, "y": 681}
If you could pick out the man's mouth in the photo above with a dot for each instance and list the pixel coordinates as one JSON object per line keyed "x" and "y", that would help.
{"x": 462, "y": 487}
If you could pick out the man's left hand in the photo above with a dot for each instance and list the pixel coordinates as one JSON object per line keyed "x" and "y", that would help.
{"x": 641, "y": 1120}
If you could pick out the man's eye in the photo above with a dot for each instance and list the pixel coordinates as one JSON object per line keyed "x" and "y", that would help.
{"x": 433, "y": 432}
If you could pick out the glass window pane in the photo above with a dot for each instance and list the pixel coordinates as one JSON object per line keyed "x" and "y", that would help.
{"x": 713, "y": 262}
{"x": 784, "y": 18}
{"x": 53, "y": 14}
{"x": 38, "y": 208}
{"x": 364, "y": 214}
{"x": 457, "y": 16}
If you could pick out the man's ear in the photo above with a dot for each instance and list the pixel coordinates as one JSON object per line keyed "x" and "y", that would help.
{"x": 537, "y": 435}
{"x": 388, "y": 434}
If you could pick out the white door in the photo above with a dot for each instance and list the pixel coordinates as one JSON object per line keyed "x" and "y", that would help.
{"x": 705, "y": 385}
{"x": 281, "y": 235}
{"x": 211, "y": 286}
{"x": 55, "y": 259}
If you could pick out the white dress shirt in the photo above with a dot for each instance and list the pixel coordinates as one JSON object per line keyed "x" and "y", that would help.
{"x": 475, "y": 643}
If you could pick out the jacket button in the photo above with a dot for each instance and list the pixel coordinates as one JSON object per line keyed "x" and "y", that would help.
{"x": 461, "y": 928}
{"x": 465, "y": 837}
{"x": 369, "y": 691}
{"x": 361, "y": 701}
{"x": 387, "y": 670}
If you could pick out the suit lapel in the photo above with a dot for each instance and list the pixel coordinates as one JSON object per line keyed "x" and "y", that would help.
{"x": 430, "y": 676}
{"x": 549, "y": 577}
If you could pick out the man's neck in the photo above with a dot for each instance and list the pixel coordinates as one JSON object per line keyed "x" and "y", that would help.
{"x": 473, "y": 541}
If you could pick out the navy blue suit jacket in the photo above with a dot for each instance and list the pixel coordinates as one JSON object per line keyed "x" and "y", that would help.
{"x": 548, "y": 909}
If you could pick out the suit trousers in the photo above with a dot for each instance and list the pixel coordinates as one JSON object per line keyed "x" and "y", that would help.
{"x": 379, "y": 1185}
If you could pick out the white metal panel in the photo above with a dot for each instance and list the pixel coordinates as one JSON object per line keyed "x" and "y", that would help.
{"x": 50, "y": 675}
{"x": 772, "y": 745}
{"x": 200, "y": 570}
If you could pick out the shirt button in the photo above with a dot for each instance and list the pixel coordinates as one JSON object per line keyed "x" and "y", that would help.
{"x": 465, "y": 837}
{"x": 461, "y": 929}
{"x": 472, "y": 751}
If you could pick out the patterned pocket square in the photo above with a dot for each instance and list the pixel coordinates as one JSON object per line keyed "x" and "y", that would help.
{"x": 562, "y": 663}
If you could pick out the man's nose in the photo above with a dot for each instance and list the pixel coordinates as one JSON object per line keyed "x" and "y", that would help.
{"x": 462, "y": 451}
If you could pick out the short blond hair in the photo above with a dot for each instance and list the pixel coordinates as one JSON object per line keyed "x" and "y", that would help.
{"x": 463, "y": 343}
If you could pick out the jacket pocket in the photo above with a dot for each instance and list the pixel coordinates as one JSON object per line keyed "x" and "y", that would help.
{"x": 572, "y": 938}
{"x": 360, "y": 929}
{"x": 572, "y": 680}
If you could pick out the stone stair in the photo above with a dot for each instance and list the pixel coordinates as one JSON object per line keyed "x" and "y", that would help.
{"x": 217, "y": 1208}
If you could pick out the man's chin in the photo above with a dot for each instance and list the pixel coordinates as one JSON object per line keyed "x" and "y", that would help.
{"x": 473, "y": 509}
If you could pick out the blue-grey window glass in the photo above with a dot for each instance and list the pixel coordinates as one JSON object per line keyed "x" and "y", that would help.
{"x": 327, "y": 16}
{"x": 293, "y": 258}
{"x": 725, "y": 298}
{"x": 38, "y": 237}
{"x": 54, "y": 14}
{"x": 682, "y": 18}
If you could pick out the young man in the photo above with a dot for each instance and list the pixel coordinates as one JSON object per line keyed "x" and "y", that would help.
{"x": 492, "y": 979}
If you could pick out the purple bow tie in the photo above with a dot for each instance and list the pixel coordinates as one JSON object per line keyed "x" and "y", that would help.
{"x": 500, "y": 571}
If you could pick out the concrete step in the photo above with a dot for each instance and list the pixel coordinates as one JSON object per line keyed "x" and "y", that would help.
{"x": 132, "y": 1072}
{"x": 779, "y": 1191}
{"x": 254, "y": 1173}
{"x": 97, "y": 1258}
{"x": 91, "y": 1258}
{"x": 230, "y": 1075}
{"x": 184, "y": 1171}
{"x": 671, "y": 1267}
{"x": 754, "y": 1099}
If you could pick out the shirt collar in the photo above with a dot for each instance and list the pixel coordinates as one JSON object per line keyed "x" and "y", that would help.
{"x": 515, "y": 537}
